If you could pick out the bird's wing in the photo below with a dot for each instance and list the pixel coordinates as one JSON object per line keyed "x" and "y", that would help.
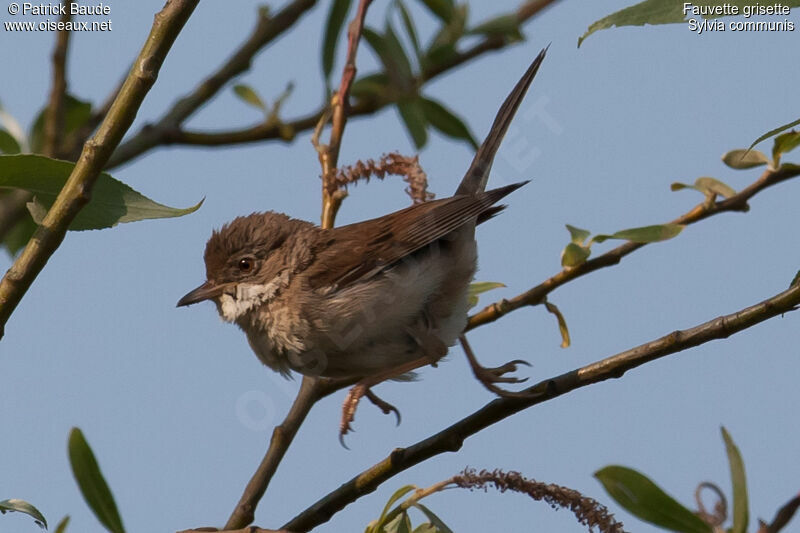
{"x": 361, "y": 250}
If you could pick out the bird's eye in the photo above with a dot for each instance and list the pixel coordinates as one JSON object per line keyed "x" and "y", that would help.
{"x": 245, "y": 264}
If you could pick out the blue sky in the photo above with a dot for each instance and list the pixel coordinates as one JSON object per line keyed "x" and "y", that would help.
{"x": 179, "y": 411}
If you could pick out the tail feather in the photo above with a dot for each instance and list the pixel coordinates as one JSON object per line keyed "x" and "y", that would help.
{"x": 478, "y": 173}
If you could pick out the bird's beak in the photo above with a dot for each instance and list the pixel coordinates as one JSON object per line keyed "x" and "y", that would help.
{"x": 206, "y": 291}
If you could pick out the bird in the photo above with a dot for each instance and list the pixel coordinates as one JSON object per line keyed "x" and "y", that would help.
{"x": 366, "y": 302}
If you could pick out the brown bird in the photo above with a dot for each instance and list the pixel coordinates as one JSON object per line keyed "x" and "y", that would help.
{"x": 370, "y": 301}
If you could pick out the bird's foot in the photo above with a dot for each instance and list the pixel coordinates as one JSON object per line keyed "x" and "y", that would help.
{"x": 354, "y": 395}
{"x": 490, "y": 376}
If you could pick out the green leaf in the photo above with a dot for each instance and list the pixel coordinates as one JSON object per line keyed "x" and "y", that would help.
{"x": 21, "y": 506}
{"x": 112, "y": 201}
{"x": 397, "y": 59}
{"x": 479, "y": 287}
{"x": 400, "y": 524}
{"x": 76, "y": 114}
{"x": 414, "y": 118}
{"x": 644, "y": 499}
{"x": 666, "y": 12}
{"x": 452, "y": 31}
{"x": 645, "y": 234}
{"x": 444, "y": 9}
{"x": 13, "y": 128}
{"x": 647, "y": 12}
{"x": 249, "y": 96}
{"x": 439, "y": 54}
{"x": 446, "y": 121}
{"x": 578, "y": 235}
{"x": 574, "y": 255}
{"x": 18, "y": 236}
{"x": 708, "y": 186}
{"x": 739, "y": 483}
{"x": 776, "y": 131}
{"x": 392, "y": 56}
{"x": 784, "y": 143}
{"x": 562, "y": 323}
{"x": 333, "y": 29}
{"x": 374, "y": 87}
{"x": 742, "y": 159}
{"x": 8, "y": 144}
{"x": 435, "y": 521}
{"x": 91, "y": 482}
{"x": 399, "y": 493}
{"x": 505, "y": 25}
{"x": 411, "y": 30}
{"x": 426, "y": 528}
{"x": 61, "y": 527}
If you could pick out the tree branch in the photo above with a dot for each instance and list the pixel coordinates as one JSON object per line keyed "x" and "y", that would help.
{"x": 332, "y": 195}
{"x": 267, "y": 29}
{"x": 311, "y": 391}
{"x": 452, "y": 438}
{"x": 96, "y": 152}
{"x": 170, "y": 132}
{"x": 54, "y": 117}
{"x": 538, "y": 294}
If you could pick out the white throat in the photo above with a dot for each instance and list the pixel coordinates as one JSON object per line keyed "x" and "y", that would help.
{"x": 250, "y": 295}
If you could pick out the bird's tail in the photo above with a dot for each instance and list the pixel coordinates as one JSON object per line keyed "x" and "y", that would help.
{"x": 476, "y": 177}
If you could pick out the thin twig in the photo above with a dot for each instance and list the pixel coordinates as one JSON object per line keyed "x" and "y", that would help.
{"x": 311, "y": 391}
{"x": 167, "y": 131}
{"x": 54, "y": 117}
{"x": 96, "y": 152}
{"x": 332, "y": 195}
{"x": 452, "y": 438}
{"x": 538, "y": 294}
{"x": 493, "y": 42}
{"x": 267, "y": 29}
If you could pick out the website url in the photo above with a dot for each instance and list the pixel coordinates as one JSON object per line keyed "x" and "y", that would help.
{"x": 57, "y": 25}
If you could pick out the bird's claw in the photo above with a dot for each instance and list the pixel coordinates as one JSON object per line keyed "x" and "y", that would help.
{"x": 489, "y": 376}
{"x": 350, "y": 405}
{"x": 383, "y": 405}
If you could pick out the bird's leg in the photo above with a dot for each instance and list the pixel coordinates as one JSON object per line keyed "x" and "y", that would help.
{"x": 362, "y": 389}
{"x": 428, "y": 343}
{"x": 489, "y": 376}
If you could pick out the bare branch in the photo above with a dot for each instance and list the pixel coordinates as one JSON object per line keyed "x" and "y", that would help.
{"x": 538, "y": 294}
{"x": 54, "y": 116}
{"x": 328, "y": 153}
{"x": 169, "y": 132}
{"x": 452, "y": 438}
{"x": 311, "y": 391}
{"x": 77, "y": 191}
{"x": 267, "y": 29}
